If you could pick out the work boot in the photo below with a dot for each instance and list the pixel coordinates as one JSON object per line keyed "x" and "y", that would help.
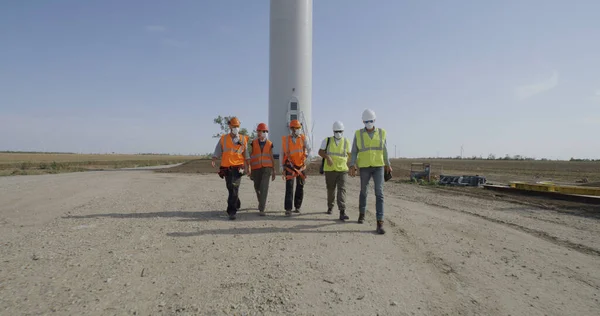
{"x": 231, "y": 216}
{"x": 343, "y": 216}
{"x": 261, "y": 213}
{"x": 329, "y": 210}
{"x": 380, "y": 228}
{"x": 361, "y": 218}
{"x": 297, "y": 210}
{"x": 288, "y": 212}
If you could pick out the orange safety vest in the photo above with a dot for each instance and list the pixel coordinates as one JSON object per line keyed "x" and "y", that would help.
{"x": 233, "y": 155}
{"x": 294, "y": 152}
{"x": 261, "y": 159}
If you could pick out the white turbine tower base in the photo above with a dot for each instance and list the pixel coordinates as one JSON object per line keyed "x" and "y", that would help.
{"x": 290, "y": 68}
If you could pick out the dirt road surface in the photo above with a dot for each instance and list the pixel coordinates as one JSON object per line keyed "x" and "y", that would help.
{"x": 146, "y": 243}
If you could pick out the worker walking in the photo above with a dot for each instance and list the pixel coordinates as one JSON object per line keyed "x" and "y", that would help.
{"x": 294, "y": 151}
{"x": 335, "y": 152}
{"x": 262, "y": 165}
{"x": 370, "y": 155}
{"x": 232, "y": 148}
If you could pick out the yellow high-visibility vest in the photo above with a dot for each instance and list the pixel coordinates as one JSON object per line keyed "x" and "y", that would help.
{"x": 370, "y": 150}
{"x": 339, "y": 155}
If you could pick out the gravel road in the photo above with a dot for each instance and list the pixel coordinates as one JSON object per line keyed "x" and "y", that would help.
{"x": 141, "y": 243}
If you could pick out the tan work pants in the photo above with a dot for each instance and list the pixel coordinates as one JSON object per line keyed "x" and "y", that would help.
{"x": 333, "y": 180}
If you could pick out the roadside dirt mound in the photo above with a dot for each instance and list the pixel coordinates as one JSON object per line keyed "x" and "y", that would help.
{"x": 201, "y": 166}
{"x": 591, "y": 184}
{"x": 567, "y": 207}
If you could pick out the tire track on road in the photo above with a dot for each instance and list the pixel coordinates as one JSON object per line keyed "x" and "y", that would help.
{"x": 540, "y": 234}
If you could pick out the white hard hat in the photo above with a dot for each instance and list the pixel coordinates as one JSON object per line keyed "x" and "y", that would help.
{"x": 338, "y": 126}
{"x": 368, "y": 115}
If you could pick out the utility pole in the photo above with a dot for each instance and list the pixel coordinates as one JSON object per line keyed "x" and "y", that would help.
{"x": 461, "y": 151}
{"x": 395, "y": 154}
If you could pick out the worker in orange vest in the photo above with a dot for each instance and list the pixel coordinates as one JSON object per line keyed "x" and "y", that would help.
{"x": 262, "y": 165}
{"x": 295, "y": 149}
{"x": 232, "y": 148}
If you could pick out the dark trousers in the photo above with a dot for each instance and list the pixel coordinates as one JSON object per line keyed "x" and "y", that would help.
{"x": 290, "y": 195}
{"x": 233, "y": 179}
{"x": 261, "y": 178}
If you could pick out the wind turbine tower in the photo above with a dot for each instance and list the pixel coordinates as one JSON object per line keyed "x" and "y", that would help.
{"x": 290, "y": 68}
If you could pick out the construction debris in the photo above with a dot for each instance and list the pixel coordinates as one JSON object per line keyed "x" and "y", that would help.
{"x": 464, "y": 180}
{"x": 420, "y": 171}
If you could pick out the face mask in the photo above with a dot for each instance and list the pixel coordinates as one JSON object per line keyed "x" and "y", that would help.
{"x": 295, "y": 132}
{"x": 235, "y": 130}
{"x": 337, "y": 135}
{"x": 369, "y": 125}
{"x": 264, "y": 136}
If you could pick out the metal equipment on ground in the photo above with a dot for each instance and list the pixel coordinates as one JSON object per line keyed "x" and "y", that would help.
{"x": 546, "y": 190}
{"x": 551, "y": 187}
{"x": 464, "y": 180}
{"x": 420, "y": 171}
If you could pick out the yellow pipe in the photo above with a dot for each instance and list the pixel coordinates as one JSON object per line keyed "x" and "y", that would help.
{"x": 549, "y": 187}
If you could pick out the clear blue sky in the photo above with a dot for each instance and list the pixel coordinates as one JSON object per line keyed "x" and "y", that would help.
{"x": 503, "y": 77}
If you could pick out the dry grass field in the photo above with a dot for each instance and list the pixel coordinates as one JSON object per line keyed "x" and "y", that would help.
{"x": 496, "y": 171}
{"x": 504, "y": 171}
{"x": 43, "y": 163}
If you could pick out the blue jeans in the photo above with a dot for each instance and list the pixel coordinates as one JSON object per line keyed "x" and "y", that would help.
{"x": 365, "y": 176}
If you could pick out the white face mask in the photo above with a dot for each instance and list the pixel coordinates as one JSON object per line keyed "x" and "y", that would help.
{"x": 235, "y": 130}
{"x": 337, "y": 135}
{"x": 295, "y": 132}
{"x": 264, "y": 136}
{"x": 369, "y": 125}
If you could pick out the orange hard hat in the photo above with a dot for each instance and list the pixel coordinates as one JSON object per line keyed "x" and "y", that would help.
{"x": 262, "y": 127}
{"x": 234, "y": 122}
{"x": 295, "y": 124}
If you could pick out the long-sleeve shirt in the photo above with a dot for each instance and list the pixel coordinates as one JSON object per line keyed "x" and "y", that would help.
{"x": 354, "y": 153}
{"x": 294, "y": 138}
{"x": 219, "y": 151}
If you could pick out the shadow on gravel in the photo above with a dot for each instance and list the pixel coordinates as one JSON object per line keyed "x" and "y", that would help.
{"x": 253, "y": 215}
{"x": 182, "y": 214}
{"x": 269, "y": 230}
{"x": 244, "y": 214}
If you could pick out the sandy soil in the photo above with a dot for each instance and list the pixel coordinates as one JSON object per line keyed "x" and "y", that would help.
{"x": 141, "y": 243}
